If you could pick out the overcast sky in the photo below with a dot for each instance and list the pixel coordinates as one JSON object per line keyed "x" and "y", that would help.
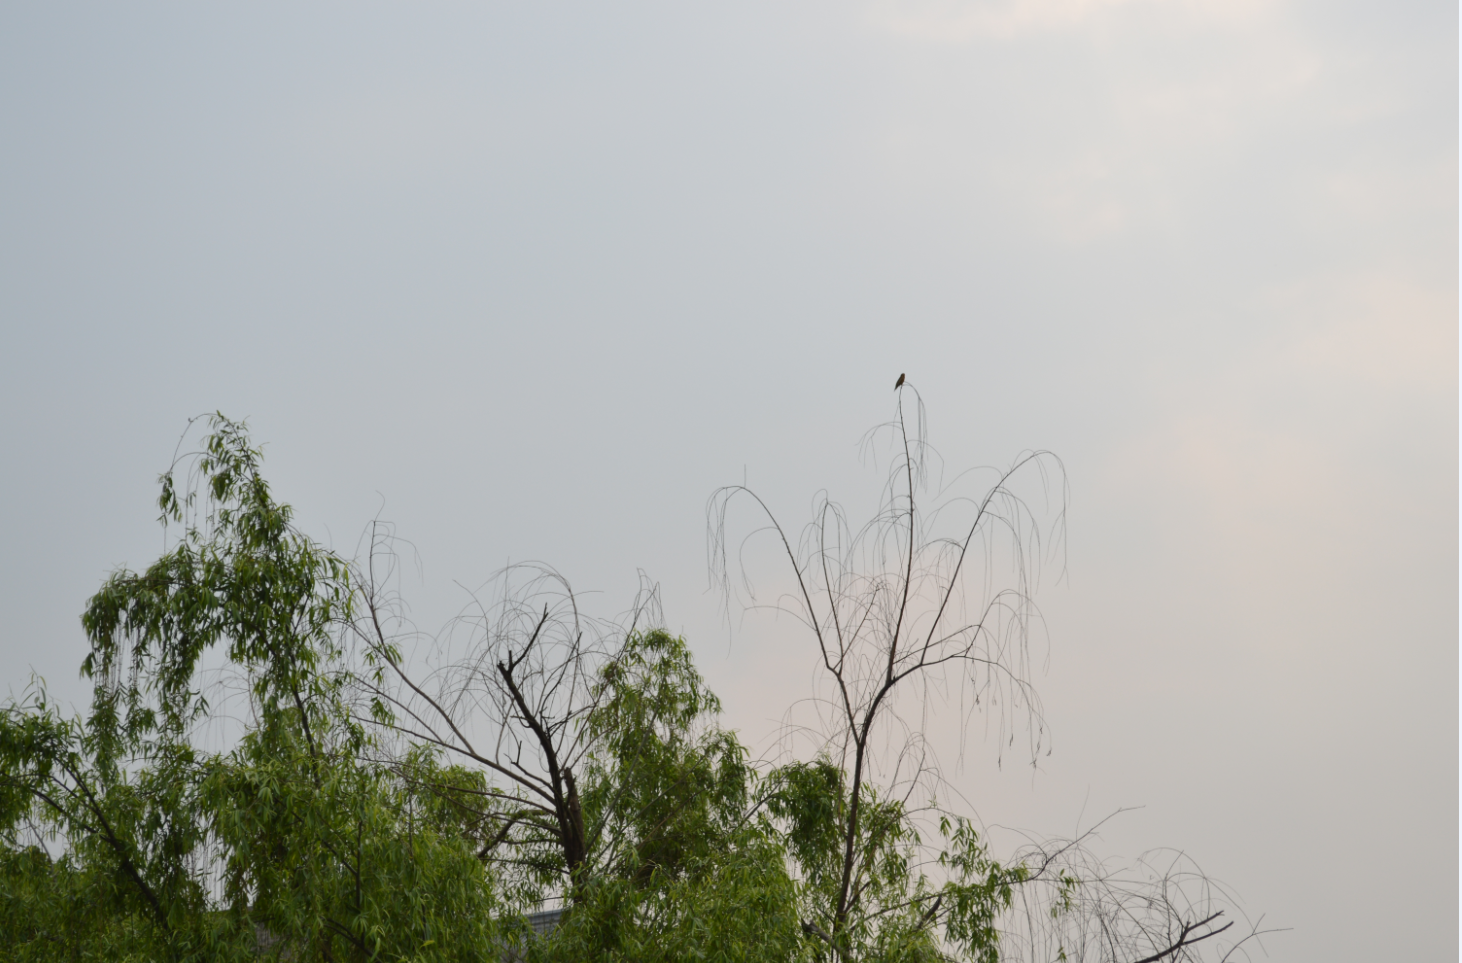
{"x": 531, "y": 280}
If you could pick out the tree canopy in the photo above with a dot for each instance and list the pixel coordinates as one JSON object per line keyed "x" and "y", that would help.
{"x": 262, "y": 773}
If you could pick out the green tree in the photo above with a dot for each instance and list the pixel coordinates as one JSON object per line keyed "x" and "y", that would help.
{"x": 292, "y": 840}
{"x": 374, "y": 808}
{"x": 326, "y": 830}
{"x": 685, "y": 875}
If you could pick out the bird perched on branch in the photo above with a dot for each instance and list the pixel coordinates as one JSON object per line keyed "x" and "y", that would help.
{"x": 899, "y": 383}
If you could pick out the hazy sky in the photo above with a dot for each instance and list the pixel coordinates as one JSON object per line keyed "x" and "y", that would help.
{"x": 531, "y": 280}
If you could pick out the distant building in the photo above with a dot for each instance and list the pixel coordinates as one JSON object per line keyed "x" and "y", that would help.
{"x": 545, "y": 921}
{"x": 542, "y": 923}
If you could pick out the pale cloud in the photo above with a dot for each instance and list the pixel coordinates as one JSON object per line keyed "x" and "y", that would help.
{"x": 1260, "y": 480}
{"x": 959, "y": 21}
{"x": 1257, "y": 456}
{"x": 1242, "y": 484}
{"x": 1176, "y": 95}
{"x": 1082, "y": 199}
{"x": 1374, "y": 191}
{"x": 1379, "y": 329}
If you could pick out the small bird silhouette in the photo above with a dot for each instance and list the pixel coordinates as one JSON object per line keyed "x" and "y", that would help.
{"x": 899, "y": 383}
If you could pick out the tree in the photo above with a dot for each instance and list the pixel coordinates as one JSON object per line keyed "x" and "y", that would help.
{"x": 516, "y": 708}
{"x": 681, "y": 872}
{"x": 599, "y": 774}
{"x": 370, "y": 804}
{"x": 340, "y": 824}
{"x": 293, "y": 839}
{"x": 933, "y": 596}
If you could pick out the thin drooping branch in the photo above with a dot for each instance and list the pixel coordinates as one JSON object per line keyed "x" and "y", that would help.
{"x": 513, "y": 703}
{"x": 876, "y": 658}
{"x": 889, "y": 606}
{"x": 1185, "y": 937}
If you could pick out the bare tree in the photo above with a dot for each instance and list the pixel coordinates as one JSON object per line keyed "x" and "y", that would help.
{"x": 1159, "y": 906}
{"x": 929, "y": 603}
{"x": 505, "y": 693}
{"x": 520, "y": 692}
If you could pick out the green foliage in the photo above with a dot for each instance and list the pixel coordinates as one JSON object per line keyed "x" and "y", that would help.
{"x": 664, "y": 789}
{"x": 898, "y": 912}
{"x": 294, "y": 843}
{"x": 683, "y": 873}
{"x": 736, "y": 906}
{"x": 342, "y": 862}
{"x": 241, "y": 577}
{"x": 314, "y": 836}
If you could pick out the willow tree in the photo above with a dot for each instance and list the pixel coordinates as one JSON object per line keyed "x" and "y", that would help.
{"x": 348, "y": 811}
{"x": 366, "y": 805}
{"x": 131, "y": 834}
{"x": 585, "y": 757}
{"x": 928, "y": 605}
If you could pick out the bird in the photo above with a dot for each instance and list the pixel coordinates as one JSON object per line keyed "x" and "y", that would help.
{"x": 899, "y": 383}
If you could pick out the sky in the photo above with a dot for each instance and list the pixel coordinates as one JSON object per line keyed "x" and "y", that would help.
{"x": 532, "y": 280}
